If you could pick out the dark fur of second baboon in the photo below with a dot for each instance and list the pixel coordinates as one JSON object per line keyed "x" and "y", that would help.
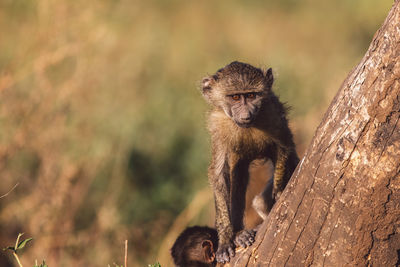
{"x": 195, "y": 247}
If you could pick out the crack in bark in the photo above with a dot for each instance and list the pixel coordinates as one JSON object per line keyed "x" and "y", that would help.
{"x": 327, "y": 212}
{"x": 366, "y": 256}
{"x": 390, "y": 192}
{"x": 294, "y": 216}
{"x": 347, "y": 161}
{"x": 329, "y": 239}
{"x": 301, "y": 232}
{"x": 387, "y": 140}
{"x": 370, "y": 248}
{"x": 297, "y": 208}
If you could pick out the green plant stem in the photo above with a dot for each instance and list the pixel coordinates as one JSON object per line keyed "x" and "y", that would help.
{"x": 16, "y": 242}
{"x": 16, "y": 257}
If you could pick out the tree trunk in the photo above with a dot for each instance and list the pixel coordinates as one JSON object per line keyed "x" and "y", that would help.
{"x": 342, "y": 205}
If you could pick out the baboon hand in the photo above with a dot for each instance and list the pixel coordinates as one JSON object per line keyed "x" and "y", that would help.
{"x": 245, "y": 238}
{"x": 225, "y": 252}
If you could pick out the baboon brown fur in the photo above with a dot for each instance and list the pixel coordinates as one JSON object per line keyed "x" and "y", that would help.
{"x": 246, "y": 122}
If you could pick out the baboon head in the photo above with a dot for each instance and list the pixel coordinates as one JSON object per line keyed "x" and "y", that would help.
{"x": 239, "y": 89}
{"x": 195, "y": 247}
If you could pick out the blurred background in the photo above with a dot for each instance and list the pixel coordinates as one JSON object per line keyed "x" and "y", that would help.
{"x": 102, "y": 125}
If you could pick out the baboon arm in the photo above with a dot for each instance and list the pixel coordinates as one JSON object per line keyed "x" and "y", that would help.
{"x": 286, "y": 162}
{"x": 219, "y": 177}
{"x": 222, "y": 218}
{"x": 280, "y": 169}
{"x": 239, "y": 172}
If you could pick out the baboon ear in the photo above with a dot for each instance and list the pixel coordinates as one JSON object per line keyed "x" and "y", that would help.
{"x": 206, "y": 87}
{"x": 269, "y": 77}
{"x": 208, "y": 251}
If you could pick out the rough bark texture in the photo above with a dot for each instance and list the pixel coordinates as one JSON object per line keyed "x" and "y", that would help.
{"x": 342, "y": 205}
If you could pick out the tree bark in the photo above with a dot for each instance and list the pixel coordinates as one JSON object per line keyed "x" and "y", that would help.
{"x": 342, "y": 205}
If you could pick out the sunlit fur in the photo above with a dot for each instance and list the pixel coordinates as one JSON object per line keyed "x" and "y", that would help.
{"x": 235, "y": 146}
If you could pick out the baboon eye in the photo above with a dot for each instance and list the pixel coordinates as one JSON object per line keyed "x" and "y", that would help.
{"x": 251, "y": 95}
{"x": 235, "y": 97}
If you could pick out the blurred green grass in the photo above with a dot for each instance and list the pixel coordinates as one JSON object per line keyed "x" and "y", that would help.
{"x": 101, "y": 121}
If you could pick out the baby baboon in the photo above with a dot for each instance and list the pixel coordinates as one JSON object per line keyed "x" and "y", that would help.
{"x": 196, "y": 246}
{"x": 246, "y": 122}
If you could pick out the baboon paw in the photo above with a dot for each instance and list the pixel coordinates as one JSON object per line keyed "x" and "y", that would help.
{"x": 225, "y": 252}
{"x": 245, "y": 238}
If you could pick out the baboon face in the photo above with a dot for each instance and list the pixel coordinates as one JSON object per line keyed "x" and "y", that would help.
{"x": 238, "y": 89}
{"x": 243, "y": 108}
